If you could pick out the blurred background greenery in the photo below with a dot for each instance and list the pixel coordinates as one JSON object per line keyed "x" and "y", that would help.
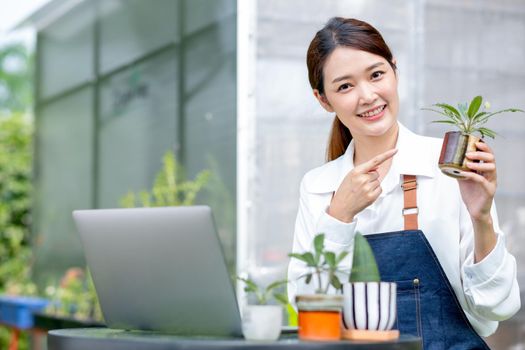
{"x": 111, "y": 107}
{"x": 16, "y": 131}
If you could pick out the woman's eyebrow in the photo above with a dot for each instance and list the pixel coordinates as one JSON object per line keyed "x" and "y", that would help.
{"x": 348, "y": 76}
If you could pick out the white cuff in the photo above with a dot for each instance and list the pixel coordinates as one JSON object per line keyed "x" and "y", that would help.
{"x": 336, "y": 232}
{"x": 486, "y": 269}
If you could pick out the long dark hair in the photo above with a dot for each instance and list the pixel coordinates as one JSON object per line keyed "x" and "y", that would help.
{"x": 347, "y": 32}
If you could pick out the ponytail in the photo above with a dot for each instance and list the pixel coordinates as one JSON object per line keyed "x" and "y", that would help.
{"x": 339, "y": 140}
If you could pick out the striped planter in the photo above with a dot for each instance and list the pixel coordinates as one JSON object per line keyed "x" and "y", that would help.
{"x": 369, "y": 306}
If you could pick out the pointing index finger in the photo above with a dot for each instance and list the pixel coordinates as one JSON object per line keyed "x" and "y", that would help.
{"x": 376, "y": 161}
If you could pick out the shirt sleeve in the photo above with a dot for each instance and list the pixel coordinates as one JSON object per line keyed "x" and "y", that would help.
{"x": 338, "y": 237}
{"x": 490, "y": 285}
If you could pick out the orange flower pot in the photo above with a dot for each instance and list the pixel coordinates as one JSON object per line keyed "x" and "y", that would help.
{"x": 319, "y": 317}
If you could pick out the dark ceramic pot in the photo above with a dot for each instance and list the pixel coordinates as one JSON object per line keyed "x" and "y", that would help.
{"x": 452, "y": 158}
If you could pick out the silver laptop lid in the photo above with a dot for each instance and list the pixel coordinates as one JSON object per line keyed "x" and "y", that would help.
{"x": 159, "y": 269}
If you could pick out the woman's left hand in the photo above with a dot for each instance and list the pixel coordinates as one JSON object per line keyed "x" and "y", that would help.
{"x": 478, "y": 188}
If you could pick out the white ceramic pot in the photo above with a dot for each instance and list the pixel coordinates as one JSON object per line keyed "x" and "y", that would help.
{"x": 369, "y": 305}
{"x": 262, "y": 322}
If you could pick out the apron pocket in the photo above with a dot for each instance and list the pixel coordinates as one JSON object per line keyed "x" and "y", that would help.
{"x": 409, "y": 307}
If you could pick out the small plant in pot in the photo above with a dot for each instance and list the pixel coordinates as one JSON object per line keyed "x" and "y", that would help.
{"x": 263, "y": 321}
{"x": 370, "y": 308}
{"x": 320, "y": 313}
{"x": 470, "y": 120}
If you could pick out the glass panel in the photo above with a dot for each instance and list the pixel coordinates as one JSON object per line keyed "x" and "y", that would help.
{"x": 209, "y": 134}
{"x": 66, "y": 51}
{"x": 131, "y": 29}
{"x": 64, "y": 181}
{"x": 137, "y": 126}
{"x": 199, "y": 14}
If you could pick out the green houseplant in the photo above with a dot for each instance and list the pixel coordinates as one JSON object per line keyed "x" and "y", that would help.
{"x": 170, "y": 187}
{"x": 262, "y": 320}
{"x": 363, "y": 320}
{"x": 320, "y": 313}
{"x": 470, "y": 119}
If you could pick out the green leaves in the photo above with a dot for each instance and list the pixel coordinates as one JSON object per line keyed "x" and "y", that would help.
{"x": 318, "y": 247}
{"x": 474, "y": 106}
{"x": 264, "y": 295}
{"x": 17, "y": 81}
{"x": 307, "y": 257}
{"x": 170, "y": 187}
{"x": 468, "y": 118}
{"x": 250, "y": 286}
{"x": 364, "y": 266}
{"x": 16, "y": 197}
{"x": 321, "y": 261}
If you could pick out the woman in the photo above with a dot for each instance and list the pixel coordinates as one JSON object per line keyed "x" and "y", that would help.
{"x": 442, "y": 244}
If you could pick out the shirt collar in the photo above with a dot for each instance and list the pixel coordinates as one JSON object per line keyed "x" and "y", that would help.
{"x": 412, "y": 158}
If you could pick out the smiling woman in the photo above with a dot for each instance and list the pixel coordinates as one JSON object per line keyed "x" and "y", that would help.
{"x": 440, "y": 241}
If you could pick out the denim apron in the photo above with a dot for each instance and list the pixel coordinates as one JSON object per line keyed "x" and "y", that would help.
{"x": 426, "y": 303}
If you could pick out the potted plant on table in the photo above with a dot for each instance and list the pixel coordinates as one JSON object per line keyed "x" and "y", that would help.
{"x": 320, "y": 313}
{"x": 369, "y": 310}
{"x": 263, "y": 321}
{"x": 470, "y": 120}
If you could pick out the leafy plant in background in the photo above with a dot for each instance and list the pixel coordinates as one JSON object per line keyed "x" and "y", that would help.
{"x": 15, "y": 202}
{"x": 16, "y": 84}
{"x": 321, "y": 261}
{"x": 74, "y": 297}
{"x": 263, "y": 295}
{"x": 15, "y": 176}
{"x": 469, "y": 118}
{"x": 170, "y": 187}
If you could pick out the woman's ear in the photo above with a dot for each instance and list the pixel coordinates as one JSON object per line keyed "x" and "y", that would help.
{"x": 323, "y": 101}
{"x": 394, "y": 62}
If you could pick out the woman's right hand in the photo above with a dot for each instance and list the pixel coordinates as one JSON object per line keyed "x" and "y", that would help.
{"x": 360, "y": 188}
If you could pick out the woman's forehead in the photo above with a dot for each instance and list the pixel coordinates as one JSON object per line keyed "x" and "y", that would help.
{"x": 350, "y": 61}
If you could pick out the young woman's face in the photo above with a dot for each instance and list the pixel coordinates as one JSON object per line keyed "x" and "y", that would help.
{"x": 361, "y": 88}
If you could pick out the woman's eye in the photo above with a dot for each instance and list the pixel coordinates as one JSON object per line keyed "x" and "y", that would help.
{"x": 378, "y": 74}
{"x": 344, "y": 87}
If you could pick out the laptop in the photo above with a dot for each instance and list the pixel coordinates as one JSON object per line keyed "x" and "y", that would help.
{"x": 160, "y": 269}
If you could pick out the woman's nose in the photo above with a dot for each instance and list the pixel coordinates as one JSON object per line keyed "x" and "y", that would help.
{"x": 367, "y": 93}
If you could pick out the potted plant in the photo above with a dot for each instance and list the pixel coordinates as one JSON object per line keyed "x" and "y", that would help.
{"x": 369, "y": 310}
{"x": 263, "y": 321}
{"x": 319, "y": 314}
{"x": 73, "y": 303}
{"x": 470, "y": 120}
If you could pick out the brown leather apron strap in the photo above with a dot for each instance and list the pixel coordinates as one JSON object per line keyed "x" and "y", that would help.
{"x": 410, "y": 209}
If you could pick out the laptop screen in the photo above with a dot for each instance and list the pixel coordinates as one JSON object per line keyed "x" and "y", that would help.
{"x": 160, "y": 269}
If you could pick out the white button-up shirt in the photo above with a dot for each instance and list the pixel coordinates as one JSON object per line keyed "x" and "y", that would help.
{"x": 487, "y": 291}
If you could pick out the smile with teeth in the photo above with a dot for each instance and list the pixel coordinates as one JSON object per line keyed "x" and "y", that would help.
{"x": 372, "y": 112}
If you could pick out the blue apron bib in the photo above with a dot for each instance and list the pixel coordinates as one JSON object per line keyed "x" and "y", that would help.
{"x": 426, "y": 303}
